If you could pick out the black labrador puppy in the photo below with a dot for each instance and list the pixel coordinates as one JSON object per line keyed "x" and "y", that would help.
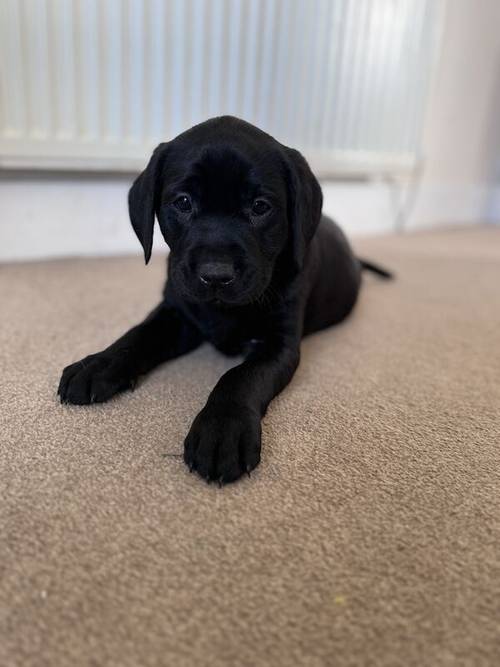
{"x": 253, "y": 267}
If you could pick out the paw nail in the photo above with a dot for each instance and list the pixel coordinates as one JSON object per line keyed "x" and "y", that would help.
{"x": 191, "y": 466}
{"x": 208, "y": 479}
{"x": 92, "y": 398}
{"x": 220, "y": 482}
{"x": 249, "y": 471}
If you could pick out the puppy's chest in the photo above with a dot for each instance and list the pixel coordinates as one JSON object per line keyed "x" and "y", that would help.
{"x": 232, "y": 335}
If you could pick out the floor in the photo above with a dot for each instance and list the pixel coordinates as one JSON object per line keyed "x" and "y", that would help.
{"x": 370, "y": 534}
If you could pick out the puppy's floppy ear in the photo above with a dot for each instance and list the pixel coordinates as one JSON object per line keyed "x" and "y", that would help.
{"x": 305, "y": 201}
{"x": 143, "y": 199}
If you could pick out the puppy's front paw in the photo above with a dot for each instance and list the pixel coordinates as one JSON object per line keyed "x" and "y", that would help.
{"x": 223, "y": 443}
{"x": 95, "y": 379}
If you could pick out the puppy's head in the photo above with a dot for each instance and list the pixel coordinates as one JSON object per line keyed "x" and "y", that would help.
{"x": 232, "y": 203}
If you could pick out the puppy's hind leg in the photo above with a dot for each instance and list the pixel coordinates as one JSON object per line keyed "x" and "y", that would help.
{"x": 163, "y": 335}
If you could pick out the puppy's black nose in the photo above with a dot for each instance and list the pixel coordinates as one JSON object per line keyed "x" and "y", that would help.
{"x": 216, "y": 274}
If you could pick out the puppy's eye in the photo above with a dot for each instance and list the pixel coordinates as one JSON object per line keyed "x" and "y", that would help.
{"x": 183, "y": 203}
{"x": 260, "y": 207}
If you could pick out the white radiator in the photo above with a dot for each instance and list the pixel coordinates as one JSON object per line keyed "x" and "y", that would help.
{"x": 95, "y": 84}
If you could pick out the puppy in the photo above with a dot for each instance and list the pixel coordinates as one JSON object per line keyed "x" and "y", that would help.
{"x": 253, "y": 267}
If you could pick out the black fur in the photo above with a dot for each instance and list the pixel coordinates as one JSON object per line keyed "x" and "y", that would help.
{"x": 253, "y": 267}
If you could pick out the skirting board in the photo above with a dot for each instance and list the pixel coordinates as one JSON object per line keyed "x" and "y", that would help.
{"x": 451, "y": 204}
{"x": 43, "y": 216}
{"x": 493, "y": 206}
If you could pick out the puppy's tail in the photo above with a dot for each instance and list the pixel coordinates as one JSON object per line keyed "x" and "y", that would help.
{"x": 369, "y": 266}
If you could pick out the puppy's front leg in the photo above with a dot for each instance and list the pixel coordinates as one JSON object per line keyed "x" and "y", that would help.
{"x": 225, "y": 439}
{"x": 163, "y": 335}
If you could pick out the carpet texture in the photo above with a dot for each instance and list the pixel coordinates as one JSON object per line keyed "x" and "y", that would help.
{"x": 369, "y": 535}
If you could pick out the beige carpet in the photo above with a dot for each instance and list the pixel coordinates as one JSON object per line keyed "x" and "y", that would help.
{"x": 370, "y": 534}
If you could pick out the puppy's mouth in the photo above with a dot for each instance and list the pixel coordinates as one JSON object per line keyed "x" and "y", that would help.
{"x": 239, "y": 293}
{"x": 247, "y": 287}
{"x": 226, "y": 299}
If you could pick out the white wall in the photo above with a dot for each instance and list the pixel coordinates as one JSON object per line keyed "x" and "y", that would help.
{"x": 461, "y": 139}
